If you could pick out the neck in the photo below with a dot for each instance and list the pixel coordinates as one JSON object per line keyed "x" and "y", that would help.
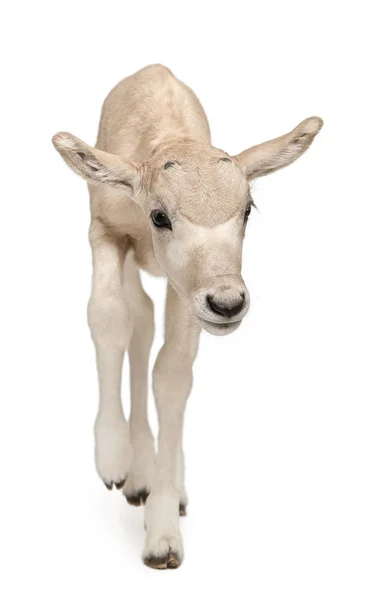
{"x": 168, "y": 141}
{"x": 170, "y": 134}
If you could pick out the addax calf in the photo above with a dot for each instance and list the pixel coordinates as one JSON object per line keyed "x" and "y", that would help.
{"x": 162, "y": 199}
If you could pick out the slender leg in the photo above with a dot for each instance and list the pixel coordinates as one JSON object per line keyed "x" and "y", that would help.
{"x": 181, "y": 481}
{"x": 139, "y": 480}
{"x": 172, "y": 381}
{"x": 111, "y": 326}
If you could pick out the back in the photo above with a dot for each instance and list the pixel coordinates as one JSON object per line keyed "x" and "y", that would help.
{"x": 146, "y": 109}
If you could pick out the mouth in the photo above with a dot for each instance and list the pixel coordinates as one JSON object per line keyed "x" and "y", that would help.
{"x": 219, "y": 328}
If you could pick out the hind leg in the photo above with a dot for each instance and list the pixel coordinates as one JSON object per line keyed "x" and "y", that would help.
{"x": 138, "y": 483}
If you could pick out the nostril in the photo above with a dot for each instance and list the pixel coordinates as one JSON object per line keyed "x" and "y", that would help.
{"x": 226, "y": 309}
{"x": 215, "y": 306}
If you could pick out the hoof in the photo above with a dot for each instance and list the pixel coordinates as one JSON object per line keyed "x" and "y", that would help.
{"x": 169, "y": 561}
{"x": 139, "y": 498}
{"x": 119, "y": 484}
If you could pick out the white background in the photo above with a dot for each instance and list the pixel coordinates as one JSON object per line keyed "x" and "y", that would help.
{"x": 276, "y": 424}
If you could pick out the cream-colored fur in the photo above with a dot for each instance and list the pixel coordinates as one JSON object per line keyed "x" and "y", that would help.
{"x": 153, "y": 155}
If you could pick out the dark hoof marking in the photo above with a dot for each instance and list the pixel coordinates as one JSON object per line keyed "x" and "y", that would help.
{"x": 168, "y": 561}
{"x": 173, "y": 562}
{"x": 120, "y": 484}
{"x": 182, "y": 510}
{"x": 139, "y": 498}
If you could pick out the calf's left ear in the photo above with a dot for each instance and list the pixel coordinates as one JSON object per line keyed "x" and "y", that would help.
{"x": 282, "y": 151}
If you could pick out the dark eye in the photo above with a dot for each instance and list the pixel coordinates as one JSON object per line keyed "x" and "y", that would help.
{"x": 248, "y": 212}
{"x": 160, "y": 219}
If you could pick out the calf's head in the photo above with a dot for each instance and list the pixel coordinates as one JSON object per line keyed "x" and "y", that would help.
{"x": 197, "y": 200}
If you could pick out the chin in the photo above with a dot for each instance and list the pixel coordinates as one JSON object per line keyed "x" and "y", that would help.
{"x": 219, "y": 328}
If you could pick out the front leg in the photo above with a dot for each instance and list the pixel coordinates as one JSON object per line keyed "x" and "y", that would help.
{"x": 172, "y": 381}
{"x": 111, "y": 324}
{"x": 139, "y": 480}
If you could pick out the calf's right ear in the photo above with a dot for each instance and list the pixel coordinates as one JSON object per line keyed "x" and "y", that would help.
{"x": 95, "y": 165}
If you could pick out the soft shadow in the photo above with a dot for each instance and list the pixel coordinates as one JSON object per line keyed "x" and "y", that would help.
{"x": 124, "y": 522}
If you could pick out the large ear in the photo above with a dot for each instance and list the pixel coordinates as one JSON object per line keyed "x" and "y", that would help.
{"x": 94, "y": 165}
{"x": 282, "y": 151}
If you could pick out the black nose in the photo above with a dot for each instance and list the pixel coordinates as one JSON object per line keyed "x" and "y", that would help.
{"x": 226, "y": 309}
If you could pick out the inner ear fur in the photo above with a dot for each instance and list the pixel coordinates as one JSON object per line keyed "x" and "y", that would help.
{"x": 95, "y": 165}
{"x": 282, "y": 151}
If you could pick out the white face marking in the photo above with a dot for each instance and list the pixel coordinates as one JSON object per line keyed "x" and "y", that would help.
{"x": 189, "y": 238}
